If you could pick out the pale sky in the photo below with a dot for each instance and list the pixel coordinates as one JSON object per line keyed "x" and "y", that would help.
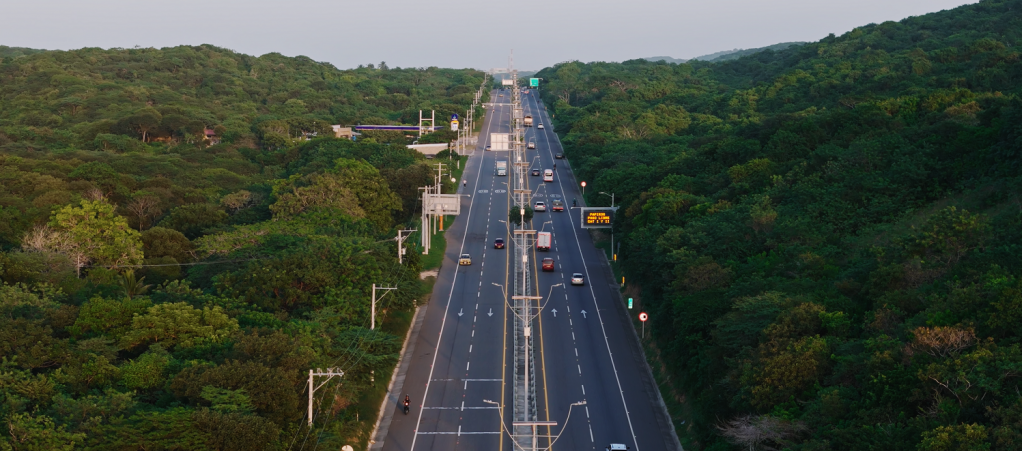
{"x": 446, "y": 33}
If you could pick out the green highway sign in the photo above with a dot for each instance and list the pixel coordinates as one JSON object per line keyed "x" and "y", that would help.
{"x": 533, "y": 82}
{"x": 629, "y": 303}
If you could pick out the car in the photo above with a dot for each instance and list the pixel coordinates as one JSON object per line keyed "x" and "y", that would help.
{"x": 617, "y": 447}
{"x": 502, "y": 95}
{"x": 498, "y": 243}
{"x": 540, "y": 126}
{"x": 487, "y": 148}
{"x": 548, "y": 264}
{"x": 577, "y": 279}
{"x": 558, "y": 206}
{"x": 540, "y": 206}
{"x": 532, "y": 145}
{"x": 559, "y": 156}
{"x": 535, "y": 172}
{"x": 466, "y": 260}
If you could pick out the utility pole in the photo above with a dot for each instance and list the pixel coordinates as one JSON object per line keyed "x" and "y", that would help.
{"x": 400, "y": 244}
{"x": 329, "y": 373}
{"x": 372, "y": 321}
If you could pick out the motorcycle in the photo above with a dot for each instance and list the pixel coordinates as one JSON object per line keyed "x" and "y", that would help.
{"x": 406, "y": 405}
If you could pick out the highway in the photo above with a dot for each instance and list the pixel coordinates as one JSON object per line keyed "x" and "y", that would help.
{"x": 585, "y": 347}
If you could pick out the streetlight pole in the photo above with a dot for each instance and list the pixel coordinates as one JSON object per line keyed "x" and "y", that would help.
{"x": 613, "y": 254}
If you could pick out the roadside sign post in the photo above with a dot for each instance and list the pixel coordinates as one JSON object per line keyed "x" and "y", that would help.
{"x": 642, "y": 317}
{"x": 583, "y": 189}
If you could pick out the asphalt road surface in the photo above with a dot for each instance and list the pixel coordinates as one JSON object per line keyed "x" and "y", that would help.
{"x": 585, "y": 347}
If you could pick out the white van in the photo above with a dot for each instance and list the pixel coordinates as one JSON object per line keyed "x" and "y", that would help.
{"x": 548, "y": 175}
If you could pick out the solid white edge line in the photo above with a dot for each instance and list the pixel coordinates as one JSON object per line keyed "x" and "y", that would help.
{"x": 606, "y": 340}
{"x": 443, "y": 324}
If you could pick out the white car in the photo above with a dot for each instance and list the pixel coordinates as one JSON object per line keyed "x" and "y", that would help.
{"x": 540, "y": 206}
{"x": 532, "y": 145}
{"x": 540, "y": 126}
{"x": 577, "y": 279}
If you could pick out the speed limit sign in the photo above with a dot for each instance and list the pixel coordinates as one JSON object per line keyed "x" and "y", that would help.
{"x": 643, "y": 317}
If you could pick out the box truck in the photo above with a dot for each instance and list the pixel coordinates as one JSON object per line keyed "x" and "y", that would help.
{"x": 543, "y": 240}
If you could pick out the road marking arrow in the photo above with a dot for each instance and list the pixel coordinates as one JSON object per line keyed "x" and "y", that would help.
{"x": 584, "y": 314}
{"x": 491, "y": 312}
{"x": 461, "y": 312}
{"x": 554, "y": 311}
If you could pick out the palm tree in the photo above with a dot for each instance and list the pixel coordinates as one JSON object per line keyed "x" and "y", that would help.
{"x": 132, "y": 286}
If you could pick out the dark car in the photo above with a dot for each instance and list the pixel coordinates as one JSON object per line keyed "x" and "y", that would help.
{"x": 557, "y": 206}
{"x": 535, "y": 172}
{"x": 498, "y": 243}
{"x": 548, "y": 264}
{"x": 559, "y": 156}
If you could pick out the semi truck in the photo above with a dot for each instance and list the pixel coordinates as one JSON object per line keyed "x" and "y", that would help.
{"x": 543, "y": 240}
{"x": 501, "y": 167}
{"x": 528, "y": 121}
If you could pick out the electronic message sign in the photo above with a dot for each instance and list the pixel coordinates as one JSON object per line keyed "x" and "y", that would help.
{"x": 598, "y": 218}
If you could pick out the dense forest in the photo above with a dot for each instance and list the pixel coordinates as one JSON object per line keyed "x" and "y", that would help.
{"x": 181, "y": 245}
{"x": 827, "y": 238}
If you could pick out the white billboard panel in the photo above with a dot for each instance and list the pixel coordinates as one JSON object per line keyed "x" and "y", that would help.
{"x": 507, "y": 82}
{"x": 443, "y": 204}
{"x": 500, "y": 141}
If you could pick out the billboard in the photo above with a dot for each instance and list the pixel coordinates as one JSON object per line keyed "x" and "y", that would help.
{"x": 500, "y": 141}
{"x": 533, "y": 82}
{"x": 507, "y": 82}
{"x": 454, "y": 125}
{"x": 597, "y": 217}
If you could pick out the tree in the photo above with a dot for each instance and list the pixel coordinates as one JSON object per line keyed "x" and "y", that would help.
{"x": 238, "y": 200}
{"x": 145, "y": 208}
{"x": 163, "y": 242}
{"x": 515, "y": 214}
{"x": 366, "y": 183}
{"x": 38, "y": 433}
{"x": 179, "y": 324}
{"x": 193, "y": 219}
{"x": 142, "y": 122}
{"x": 961, "y": 437}
{"x": 297, "y": 194}
{"x": 92, "y": 232}
{"x": 132, "y": 286}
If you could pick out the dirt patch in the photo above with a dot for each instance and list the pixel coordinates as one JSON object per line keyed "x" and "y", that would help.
{"x": 431, "y": 273}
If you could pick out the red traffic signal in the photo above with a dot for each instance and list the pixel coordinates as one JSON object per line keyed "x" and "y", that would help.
{"x": 643, "y": 317}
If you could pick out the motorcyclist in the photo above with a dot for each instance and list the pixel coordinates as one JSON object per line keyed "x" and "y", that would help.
{"x": 555, "y": 166}
{"x": 574, "y": 203}
{"x": 464, "y": 183}
{"x": 407, "y": 400}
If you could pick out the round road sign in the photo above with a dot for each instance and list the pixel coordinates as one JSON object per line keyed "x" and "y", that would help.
{"x": 643, "y": 317}
{"x": 583, "y": 184}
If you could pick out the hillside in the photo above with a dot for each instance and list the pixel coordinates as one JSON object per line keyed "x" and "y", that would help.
{"x": 15, "y": 52}
{"x": 724, "y": 55}
{"x": 665, "y": 59}
{"x": 826, "y": 237}
{"x": 738, "y": 53}
{"x": 165, "y": 288}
